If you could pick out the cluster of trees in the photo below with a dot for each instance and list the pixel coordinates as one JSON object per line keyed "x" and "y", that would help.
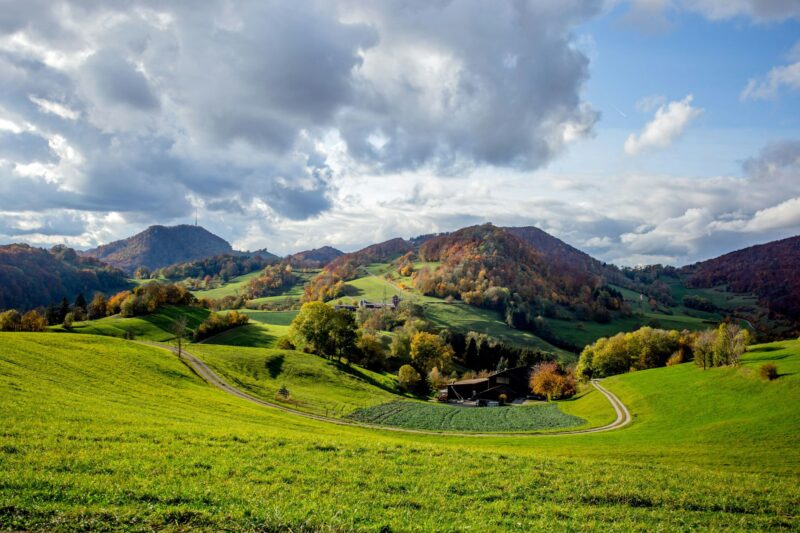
{"x": 644, "y": 348}
{"x": 553, "y": 381}
{"x": 698, "y": 302}
{"x": 13, "y": 320}
{"x": 649, "y": 348}
{"x": 217, "y": 323}
{"x": 723, "y": 346}
{"x": 146, "y": 299}
{"x": 207, "y": 272}
{"x": 272, "y": 280}
{"x": 33, "y": 277}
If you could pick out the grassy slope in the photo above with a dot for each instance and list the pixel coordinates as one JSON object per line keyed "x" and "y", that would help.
{"x": 264, "y": 330}
{"x": 456, "y": 315}
{"x": 153, "y": 327}
{"x": 233, "y": 287}
{"x": 316, "y": 385}
{"x": 99, "y": 433}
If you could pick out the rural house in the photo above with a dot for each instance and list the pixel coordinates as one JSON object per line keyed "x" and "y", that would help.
{"x": 512, "y": 382}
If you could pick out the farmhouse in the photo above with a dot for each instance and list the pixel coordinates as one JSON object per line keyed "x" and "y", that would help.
{"x": 512, "y": 382}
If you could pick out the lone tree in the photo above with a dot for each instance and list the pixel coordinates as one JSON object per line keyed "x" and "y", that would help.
{"x": 179, "y": 329}
{"x": 549, "y": 379}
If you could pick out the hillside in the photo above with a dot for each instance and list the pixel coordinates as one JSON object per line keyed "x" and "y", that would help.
{"x": 770, "y": 271}
{"x": 160, "y": 246}
{"x": 148, "y": 445}
{"x": 316, "y": 258}
{"x": 32, "y": 277}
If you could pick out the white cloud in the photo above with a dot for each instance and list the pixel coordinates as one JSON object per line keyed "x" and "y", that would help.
{"x": 668, "y": 124}
{"x": 787, "y": 76}
{"x": 55, "y": 108}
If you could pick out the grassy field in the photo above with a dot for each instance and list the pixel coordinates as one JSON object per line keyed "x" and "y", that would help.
{"x": 316, "y": 385}
{"x": 154, "y": 327}
{"x": 462, "y": 317}
{"x": 263, "y": 331}
{"x": 98, "y": 433}
{"x": 234, "y": 287}
{"x": 430, "y": 416}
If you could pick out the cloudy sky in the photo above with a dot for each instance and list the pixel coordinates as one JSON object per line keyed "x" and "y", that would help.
{"x": 646, "y": 131}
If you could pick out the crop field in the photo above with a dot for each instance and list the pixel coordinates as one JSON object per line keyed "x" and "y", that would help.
{"x": 425, "y": 415}
{"x": 316, "y": 385}
{"x": 153, "y": 327}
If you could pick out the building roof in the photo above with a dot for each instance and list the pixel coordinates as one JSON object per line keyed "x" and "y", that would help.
{"x": 470, "y": 381}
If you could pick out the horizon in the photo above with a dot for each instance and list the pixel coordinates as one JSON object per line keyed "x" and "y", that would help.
{"x": 412, "y": 237}
{"x": 638, "y": 132}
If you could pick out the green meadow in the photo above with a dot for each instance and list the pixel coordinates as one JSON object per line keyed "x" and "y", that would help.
{"x": 153, "y": 327}
{"x": 98, "y": 433}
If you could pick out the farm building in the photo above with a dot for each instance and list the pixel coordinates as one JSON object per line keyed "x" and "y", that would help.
{"x": 512, "y": 382}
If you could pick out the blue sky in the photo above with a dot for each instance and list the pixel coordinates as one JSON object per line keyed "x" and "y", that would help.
{"x": 641, "y": 131}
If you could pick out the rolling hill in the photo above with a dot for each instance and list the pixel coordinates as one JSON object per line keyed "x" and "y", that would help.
{"x": 107, "y": 434}
{"x": 160, "y": 246}
{"x": 316, "y": 258}
{"x": 770, "y": 271}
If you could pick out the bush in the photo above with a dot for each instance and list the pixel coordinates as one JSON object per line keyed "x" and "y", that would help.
{"x": 284, "y": 344}
{"x": 769, "y": 371}
{"x": 216, "y": 323}
{"x": 675, "y": 359}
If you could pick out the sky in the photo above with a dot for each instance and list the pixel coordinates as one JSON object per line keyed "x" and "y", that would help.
{"x": 644, "y": 131}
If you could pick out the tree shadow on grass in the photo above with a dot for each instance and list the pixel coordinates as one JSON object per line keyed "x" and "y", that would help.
{"x": 275, "y": 365}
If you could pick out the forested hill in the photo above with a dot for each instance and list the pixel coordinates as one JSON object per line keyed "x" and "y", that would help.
{"x": 32, "y": 277}
{"x": 770, "y": 271}
{"x": 160, "y": 246}
{"x": 478, "y": 260}
{"x": 316, "y": 258}
{"x": 557, "y": 251}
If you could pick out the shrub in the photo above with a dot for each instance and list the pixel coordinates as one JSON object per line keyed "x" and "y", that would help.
{"x": 283, "y": 393}
{"x": 284, "y": 344}
{"x": 769, "y": 371}
{"x": 503, "y": 399}
{"x": 675, "y": 359}
{"x": 68, "y": 320}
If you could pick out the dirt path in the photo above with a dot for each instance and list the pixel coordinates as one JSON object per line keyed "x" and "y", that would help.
{"x": 202, "y": 370}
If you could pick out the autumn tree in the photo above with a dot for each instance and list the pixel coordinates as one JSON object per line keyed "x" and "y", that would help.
{"x": 33, "y": 321}
{"x": 428, "y": 351}
{"x": 551, "y": 380}
{"x": 179, "y": 329}
{"x": 98, "y": 308}
{"x": 408, "y": 377}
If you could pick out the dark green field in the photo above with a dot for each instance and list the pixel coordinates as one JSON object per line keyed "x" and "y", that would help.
{"x": 419, "y": 415}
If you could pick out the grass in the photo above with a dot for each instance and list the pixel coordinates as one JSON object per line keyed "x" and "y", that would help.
{"x": 234, "y": 287}
{"x": 153, "y": 327}
{"x": 98, "y": 433}
{"x": 317, "y": 385}
{"x": 429, "y": 416}
{"x": 462, "y": 317}
{"x": 263, "y": 331}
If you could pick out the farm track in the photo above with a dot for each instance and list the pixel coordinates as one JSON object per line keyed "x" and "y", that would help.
{"x": 201, "y": 369}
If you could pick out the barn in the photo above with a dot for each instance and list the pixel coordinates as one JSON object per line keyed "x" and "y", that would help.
{"x": 512, "y": 382}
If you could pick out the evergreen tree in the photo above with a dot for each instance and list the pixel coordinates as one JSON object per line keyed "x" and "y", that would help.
{"x": 80, "y": 302}
{"x": 63, "y": 310}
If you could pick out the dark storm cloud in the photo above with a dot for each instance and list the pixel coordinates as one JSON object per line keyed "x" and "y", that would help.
{"x": 116, "y": 81}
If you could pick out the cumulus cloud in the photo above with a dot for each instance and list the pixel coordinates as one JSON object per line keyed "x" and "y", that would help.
{"x": 149, "y": 109}
{"x": 669, "y": 123}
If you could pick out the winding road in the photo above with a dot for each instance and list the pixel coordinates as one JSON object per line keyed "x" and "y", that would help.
{"x": 201, "y": 369}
